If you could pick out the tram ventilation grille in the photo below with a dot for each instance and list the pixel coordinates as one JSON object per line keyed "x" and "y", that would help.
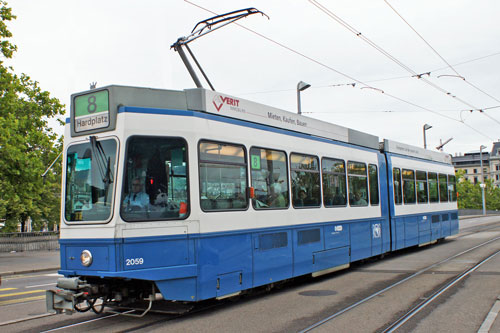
{"x": 274, "y": 240}
{"x": 308, "y": 236}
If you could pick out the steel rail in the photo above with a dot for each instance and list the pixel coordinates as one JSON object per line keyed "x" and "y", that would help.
{"x": 410, "y": 314}
{"x": 414, "y": 275}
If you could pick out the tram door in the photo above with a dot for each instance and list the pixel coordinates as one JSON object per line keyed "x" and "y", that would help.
{"x": 272, "y": 257}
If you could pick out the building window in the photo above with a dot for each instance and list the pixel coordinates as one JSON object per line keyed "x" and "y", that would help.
{"x": 475, "y": 171}
{"x": 475, "y": 180}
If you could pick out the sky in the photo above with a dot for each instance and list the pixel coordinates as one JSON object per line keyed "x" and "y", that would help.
{"x": 380, "y": 46}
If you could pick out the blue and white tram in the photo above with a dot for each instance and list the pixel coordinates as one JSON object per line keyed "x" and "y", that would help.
{"x": 197, "y": 195}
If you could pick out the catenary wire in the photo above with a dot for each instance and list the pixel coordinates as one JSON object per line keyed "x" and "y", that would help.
{"x": 379, "y": 80}
{"x": 343, "y": 74}
{"x": 444, "y": 60}
{"x": 390, "y": 56}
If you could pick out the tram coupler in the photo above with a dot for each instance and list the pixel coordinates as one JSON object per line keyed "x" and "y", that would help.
{"x": 67, "y": 294}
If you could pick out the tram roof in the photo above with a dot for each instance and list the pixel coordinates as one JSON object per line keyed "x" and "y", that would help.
{"x": 235, "y": 107}
{"x": 391, "y": 146}
{"x": 213, "y": 102}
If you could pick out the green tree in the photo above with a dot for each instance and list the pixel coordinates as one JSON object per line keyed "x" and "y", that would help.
{"x": 27, "y": 144}
{"x": 470, "y": 195}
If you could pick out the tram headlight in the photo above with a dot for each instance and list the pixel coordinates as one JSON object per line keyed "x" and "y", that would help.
{"x": 86, "y": 258}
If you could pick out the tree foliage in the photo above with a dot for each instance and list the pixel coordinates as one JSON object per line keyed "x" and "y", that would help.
{"x": 470, "y": 195}
{"x": 27, "y": 144}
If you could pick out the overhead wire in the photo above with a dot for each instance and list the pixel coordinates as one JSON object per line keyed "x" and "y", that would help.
{"x": 392, "y": 58}
{"x": 379, "y": 80}
{"x": 343, "y": 74}
{"x": 439, "y": 55}
{"x": 450, "y": 66}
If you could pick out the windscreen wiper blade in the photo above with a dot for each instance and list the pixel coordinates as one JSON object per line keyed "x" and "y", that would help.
{"x": 103, "y": 162}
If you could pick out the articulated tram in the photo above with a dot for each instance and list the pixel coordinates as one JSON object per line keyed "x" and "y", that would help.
{"x": 196, "y": 195}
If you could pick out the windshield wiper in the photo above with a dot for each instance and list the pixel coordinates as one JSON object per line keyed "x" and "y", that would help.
{"x": 103, "y": 161}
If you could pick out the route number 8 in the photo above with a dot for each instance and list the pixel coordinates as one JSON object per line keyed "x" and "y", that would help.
{"x": 92, "y": 107}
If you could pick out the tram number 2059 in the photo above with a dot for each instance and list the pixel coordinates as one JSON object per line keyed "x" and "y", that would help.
{"x": 134, "y": 261}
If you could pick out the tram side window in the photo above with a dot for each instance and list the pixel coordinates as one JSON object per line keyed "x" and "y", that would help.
{"x": 422, "y": 194}
{"x": 269, "y": 178}
{"x": 155, "y": 183}
{"x": 443, "y": 188}
{"x": 334, "y": 182}
{"x": 452, "y": 188}
{"x": 306, "y": 190}
{"x": 373, "y": 180}
{"x": 433, "y": 187}
{"x": 396, "y": 175}
{"x": 223, "y": 176}
{"x": 358, "y": 184}
{"x": 408, "y": 186}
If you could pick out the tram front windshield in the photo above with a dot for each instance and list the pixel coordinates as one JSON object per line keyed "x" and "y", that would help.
{"x": 90, "y": 180}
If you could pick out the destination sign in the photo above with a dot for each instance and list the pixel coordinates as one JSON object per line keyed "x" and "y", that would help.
{"x": 91, "y": 111}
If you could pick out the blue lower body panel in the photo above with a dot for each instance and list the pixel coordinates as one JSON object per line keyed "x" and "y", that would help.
{"x": 201, "y": 266}
{"x": 423, "y": 228}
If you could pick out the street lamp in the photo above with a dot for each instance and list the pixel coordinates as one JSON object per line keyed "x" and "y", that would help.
{"x": 300, "y": 87}
{"x": 426, "y": 127}
{"x": 482, "y": 177}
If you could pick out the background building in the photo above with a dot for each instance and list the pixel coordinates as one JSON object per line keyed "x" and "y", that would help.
{"x": 495, "y": 163}
{"x": 471, "y": 164}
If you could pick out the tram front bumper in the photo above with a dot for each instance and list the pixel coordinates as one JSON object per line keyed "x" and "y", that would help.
{"x": 61, "y": 301}
{"x": 66, "y": 296}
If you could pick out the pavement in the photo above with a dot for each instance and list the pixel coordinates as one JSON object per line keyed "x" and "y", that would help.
{"x": 13, "y": 263}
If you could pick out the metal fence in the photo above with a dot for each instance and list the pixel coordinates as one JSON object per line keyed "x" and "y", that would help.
{"x": 29, "y": 241}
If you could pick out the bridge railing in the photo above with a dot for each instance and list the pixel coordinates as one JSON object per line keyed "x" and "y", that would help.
{"x": 29, "y": 241}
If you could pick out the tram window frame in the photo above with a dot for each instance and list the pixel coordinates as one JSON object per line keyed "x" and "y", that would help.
{"x": 452, "y": 195}
{"x": 315, "y": 198}
{"x": 443, "y": 189}
{"x": 259, "y": 204}
{"x": 433, "y": 183}
{"x": 422, "y": 194}
{"x": 149, "y": 215}
{"x": 374, "y": 200}
{"x": 79, "y": 215}
{"x": 244, "y": 166}
{"x": 350, "y": 180}
{"x": 397, "y": 186}
{"x": 409, "y": 197}
{"x": 326, "y": 189}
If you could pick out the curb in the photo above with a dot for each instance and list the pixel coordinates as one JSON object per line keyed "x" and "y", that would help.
{"x": 9, "y": 273}
{"x": 465, "y": 217}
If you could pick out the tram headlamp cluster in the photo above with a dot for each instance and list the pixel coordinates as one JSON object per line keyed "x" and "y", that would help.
{"x": 86, "y": 258}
